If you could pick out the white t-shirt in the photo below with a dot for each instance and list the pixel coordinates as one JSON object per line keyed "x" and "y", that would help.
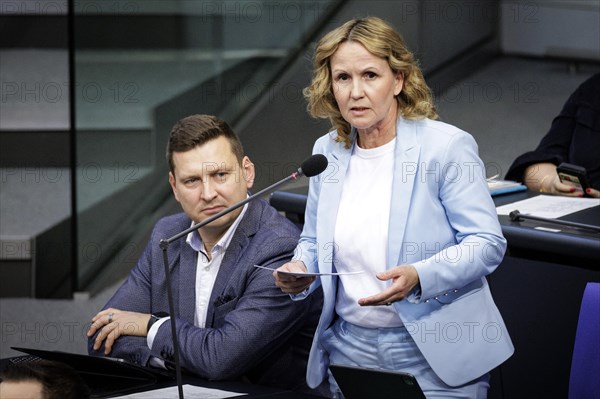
{"x": 361, "y": 235}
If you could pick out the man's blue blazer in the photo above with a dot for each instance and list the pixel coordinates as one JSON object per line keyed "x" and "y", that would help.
{"x": 253, "y": 330}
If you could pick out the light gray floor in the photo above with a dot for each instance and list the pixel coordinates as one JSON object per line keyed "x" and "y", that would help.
{"x": 32, "y": 200}
{"x": 47, "y": 324}
{"x": 34, "y": 98}
{"x": 507, "y": 106}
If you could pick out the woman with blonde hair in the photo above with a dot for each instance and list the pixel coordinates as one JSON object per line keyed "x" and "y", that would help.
{"x": 403, "y": 213}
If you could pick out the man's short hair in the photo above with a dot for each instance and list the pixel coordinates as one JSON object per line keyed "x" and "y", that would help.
{"x": 58, "y": 380}
{"x": 195, "y": 130}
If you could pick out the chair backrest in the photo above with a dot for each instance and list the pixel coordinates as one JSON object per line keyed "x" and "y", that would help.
{"x": 292, "y": 204}
{"x": 585, "y": 367}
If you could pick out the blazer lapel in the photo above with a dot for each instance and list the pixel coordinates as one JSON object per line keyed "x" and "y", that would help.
{"x": 331, "y": 190}
{"x": 406, "y": 161}
{"x": 247, "y": 227}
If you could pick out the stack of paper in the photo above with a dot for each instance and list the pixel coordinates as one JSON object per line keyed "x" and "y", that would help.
{"x": 498, "y": 187}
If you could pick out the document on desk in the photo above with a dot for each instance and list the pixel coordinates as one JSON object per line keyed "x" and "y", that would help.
{"x": 303, "y": 274}
{"x": 548, "y": 206}
{"x": 189, "y": 391}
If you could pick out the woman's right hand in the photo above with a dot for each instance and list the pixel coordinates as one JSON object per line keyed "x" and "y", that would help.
{"x": 553, "y": 185}
{"x": 292, "y": 284}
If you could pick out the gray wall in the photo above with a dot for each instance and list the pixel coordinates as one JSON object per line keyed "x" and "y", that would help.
{"x": 551, "y": 28}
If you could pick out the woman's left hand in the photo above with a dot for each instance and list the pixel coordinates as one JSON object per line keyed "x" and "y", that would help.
{"x": 404, "y": 279}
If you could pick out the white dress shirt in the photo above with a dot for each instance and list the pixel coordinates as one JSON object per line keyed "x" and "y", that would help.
{"x": 206, "y": 274}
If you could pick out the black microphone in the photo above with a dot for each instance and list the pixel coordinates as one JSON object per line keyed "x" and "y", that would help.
{"x": 517, "y": 216}
{"x": 311, "y": 166}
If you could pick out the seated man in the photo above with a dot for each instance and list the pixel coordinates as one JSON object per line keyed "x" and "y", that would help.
{"x": 232, "y": 322}
{"x": 42, "y": 380}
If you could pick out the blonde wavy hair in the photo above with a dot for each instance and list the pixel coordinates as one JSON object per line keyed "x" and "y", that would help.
{"x": 380, "y": 39}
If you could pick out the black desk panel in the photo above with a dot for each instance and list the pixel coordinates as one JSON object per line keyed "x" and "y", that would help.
{"x": 540, "y": 303}
{"x": 249, "y": 391}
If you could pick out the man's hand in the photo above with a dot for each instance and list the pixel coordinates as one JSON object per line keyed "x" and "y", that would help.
{"x": 292, "y": 284}
{"x": 404, "y": 279}
{"x": 113, "y": 323}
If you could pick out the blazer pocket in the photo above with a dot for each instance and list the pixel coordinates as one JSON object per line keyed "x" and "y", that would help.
{"x": 222, "y": 308}
{"x": 460, "y": 293}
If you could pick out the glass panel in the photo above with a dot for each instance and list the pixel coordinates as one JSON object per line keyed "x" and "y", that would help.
{"x": 139, "y": 67}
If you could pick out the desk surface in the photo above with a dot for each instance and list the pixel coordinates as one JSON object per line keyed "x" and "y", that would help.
{"x": 570, "y": 246}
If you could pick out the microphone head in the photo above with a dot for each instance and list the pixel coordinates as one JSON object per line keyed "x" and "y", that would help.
{"x": 313, "y": 165}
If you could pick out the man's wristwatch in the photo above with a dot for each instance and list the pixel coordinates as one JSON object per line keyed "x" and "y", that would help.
{"x": 154, "y": 317}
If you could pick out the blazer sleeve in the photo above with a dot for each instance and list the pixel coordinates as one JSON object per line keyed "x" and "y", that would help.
{"x": 478, "y": 245}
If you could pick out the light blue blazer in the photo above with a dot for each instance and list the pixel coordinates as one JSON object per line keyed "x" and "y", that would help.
{"x": 442, "y": 221}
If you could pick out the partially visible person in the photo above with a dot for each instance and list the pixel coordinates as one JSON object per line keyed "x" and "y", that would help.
{"x": 232, "y": 322}
{"x": 406, "y": 205}
{"x": 574, "y": 138}
{"x": 42, "y": 379}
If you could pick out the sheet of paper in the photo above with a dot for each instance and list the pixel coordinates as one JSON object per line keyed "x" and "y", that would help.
{"x": 189, "y": 391}
{"x": 548, "y": 206}
{"x": 300, "y": 274}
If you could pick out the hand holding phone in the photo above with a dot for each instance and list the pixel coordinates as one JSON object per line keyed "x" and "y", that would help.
{"x": 574, "y": 176}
